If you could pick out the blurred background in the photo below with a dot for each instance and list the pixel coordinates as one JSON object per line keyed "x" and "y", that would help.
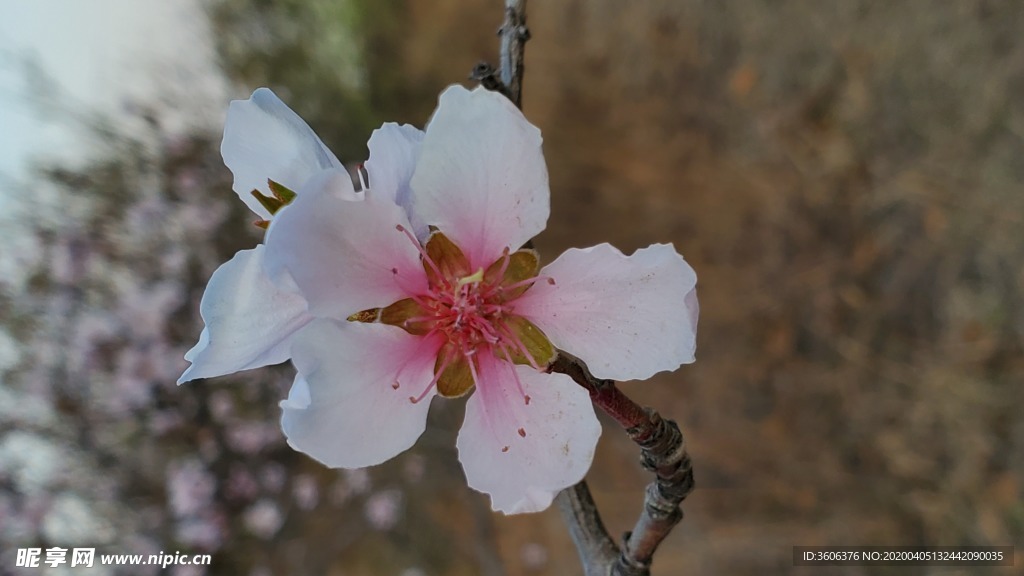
{"x": 847, "y": 178}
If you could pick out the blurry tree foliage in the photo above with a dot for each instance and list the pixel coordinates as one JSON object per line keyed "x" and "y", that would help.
{"x": 334, "y": 62}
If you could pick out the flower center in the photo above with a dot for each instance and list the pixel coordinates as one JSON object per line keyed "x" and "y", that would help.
{"x": 473, "y": 312}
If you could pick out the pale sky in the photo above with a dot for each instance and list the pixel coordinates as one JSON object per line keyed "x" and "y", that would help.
{"x": 103, "y": 55}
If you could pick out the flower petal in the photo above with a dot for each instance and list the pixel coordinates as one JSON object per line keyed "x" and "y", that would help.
{"x": 481, "y": 176}
{"x": 250, "y": 320}
{"x": 394, "y": 150}
{"x": 627, "y": 317}
{"x": 523, "y": 454}
{"x": 345, "y": 256}
{"x": 264, "y": 139}
{"x": 344, "y": 408}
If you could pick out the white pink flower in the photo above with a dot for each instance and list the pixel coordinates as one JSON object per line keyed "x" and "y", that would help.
{"x": 419, "y": 287}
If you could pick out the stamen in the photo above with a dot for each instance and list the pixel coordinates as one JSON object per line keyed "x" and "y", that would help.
{"x": 424, "y": 342}
{"x": 506, "y": 257}
{"x": 485, "y": 328}
{"x": 419, "y": 299}
{"x": 528, "y": 281}
{"x": 515, "y": 375}
{"x": 404, "y": 286}
{"x": 415, "y": 319}
{"x": 496, "y": 309}
{"x": 445, "y": 299}
{"x": 423, "y": 253}
{"x": 511, "y": 335}
{"x": 433, "y": 381}
{"x": 472, "y": 369}
{"x": 364, "y": 176}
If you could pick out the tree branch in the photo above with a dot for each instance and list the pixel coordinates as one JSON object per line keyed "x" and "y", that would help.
{"x": 598, "y": 553}
{"x": 508, "y": 78}
{"x": 514, "y": 35}
{"x": 663, "y": 451}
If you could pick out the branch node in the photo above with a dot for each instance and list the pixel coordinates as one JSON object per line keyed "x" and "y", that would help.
{"x": 659, "y": 507}
{"x": 626, "y": 566}
{"x": 662, "y": 451}
{"x": 487, "y": 76}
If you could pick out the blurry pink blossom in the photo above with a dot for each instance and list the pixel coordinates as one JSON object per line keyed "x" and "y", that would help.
{"x": 190, "y": 488}
{"x": 250, "y": 437}
{"x": 383, "y": 509}
{"x": 191, "y": 491}
{"x": 273, "y": 476}
{"x": 534, "y": 556}
{"x": 264, "y": 519}
{"x": 414, "y": 467}
{"x": 163, "y": 421}
{"x": 205, "y": 532}
{"x": 221, "y": 405}
{"x": 305, "y": 491}
{"x": 357, "y": 481}
{"x": 241, "y": 485}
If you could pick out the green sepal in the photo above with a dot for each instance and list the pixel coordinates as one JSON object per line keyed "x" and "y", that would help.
{"x": 449, "y": 259}
{"x": 403, "y": 313}
{"x": 457, "y": 378}
{"x": 281, "y": 192}
{"x": 272, "y": 204}
{"x": 522, "y": 265}
{"x": 282, "y": 196}
{"x": 533, "y": 339}
{"x": 368, "y": 316}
